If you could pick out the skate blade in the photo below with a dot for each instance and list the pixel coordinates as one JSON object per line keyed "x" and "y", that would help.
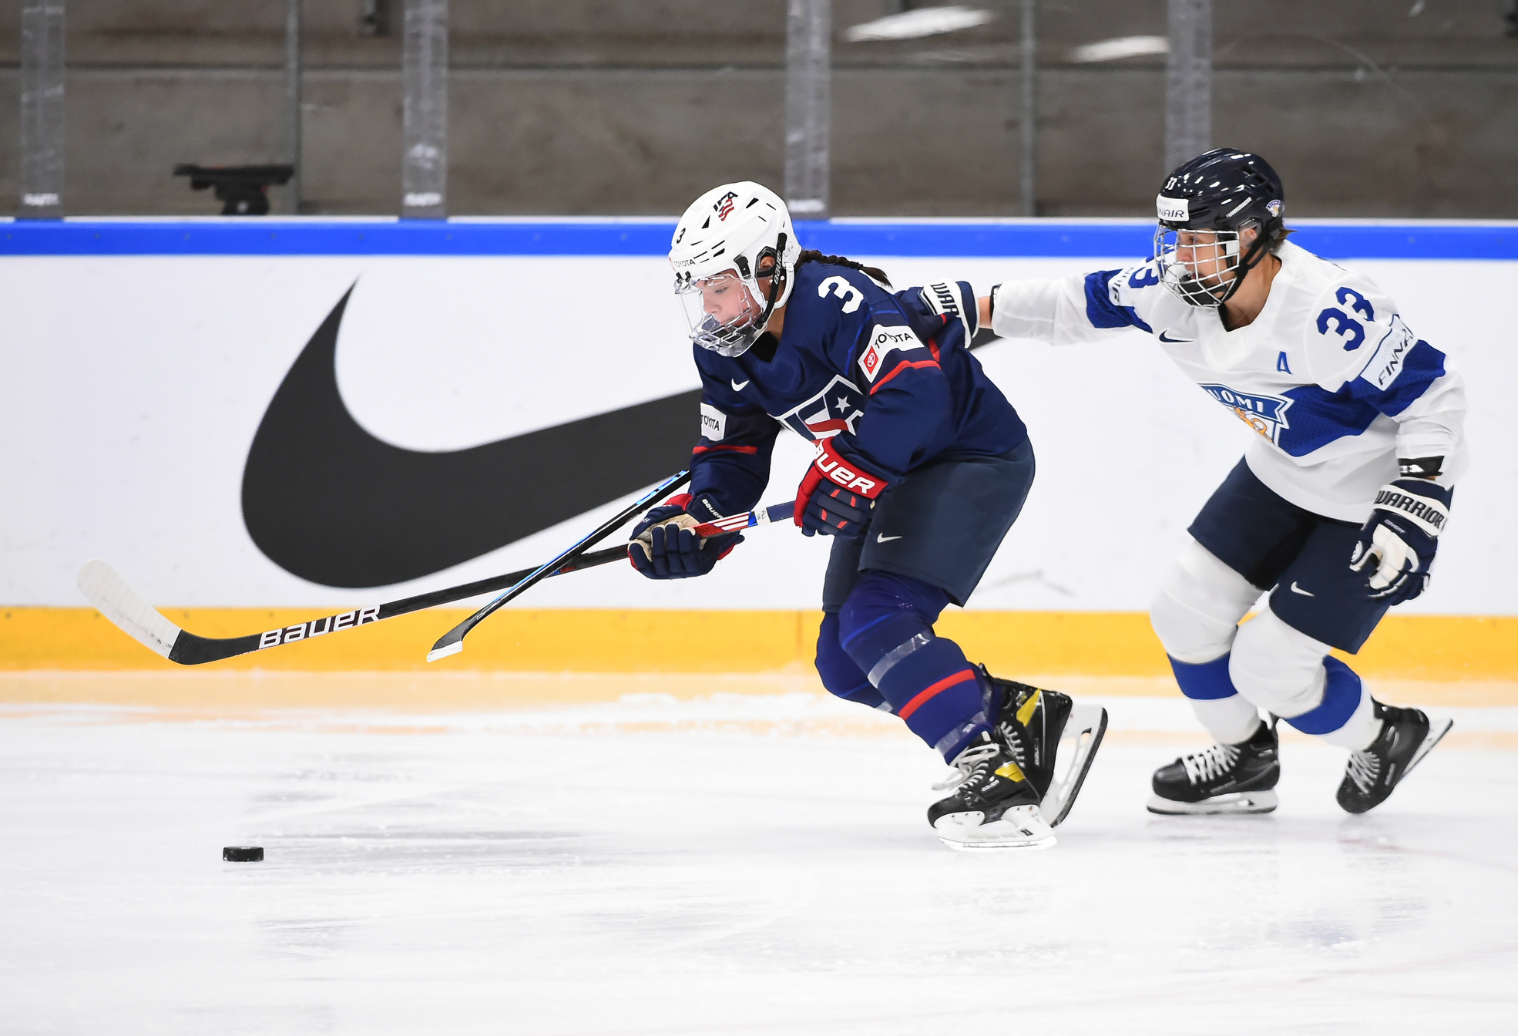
{"x": 1437, "y": 728}
{"x": 1234, "y": 803}
{"x": 1022, "y": 827}
{"x": 1076, "y": 752}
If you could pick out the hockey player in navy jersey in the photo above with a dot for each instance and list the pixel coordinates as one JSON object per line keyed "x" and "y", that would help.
{"x": 1335, "y": 510}
{"x": 921, "y": 467}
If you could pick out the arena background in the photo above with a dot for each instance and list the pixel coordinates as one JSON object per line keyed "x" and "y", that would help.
{"x": 147, "y": 376}
{"x": 144, "y": 351}
{"x": 449, "y": 349}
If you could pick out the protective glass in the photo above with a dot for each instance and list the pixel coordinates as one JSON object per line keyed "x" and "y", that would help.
{"x": 1198, "y": 266}
{"x": 723, "y": 311}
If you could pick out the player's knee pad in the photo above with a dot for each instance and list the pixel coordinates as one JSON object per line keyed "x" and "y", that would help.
{"x": 883, "y": 612}
{"x": 1277, "y": 667}
{"x": 886, "y": 627}
{"x": 1196, "y": 610}
{"x": 840, "y": 674}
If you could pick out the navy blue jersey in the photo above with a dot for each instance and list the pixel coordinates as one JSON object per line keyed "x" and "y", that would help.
{"x": 890, "y": 374}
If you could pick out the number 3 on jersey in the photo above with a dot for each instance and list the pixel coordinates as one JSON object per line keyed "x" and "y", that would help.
{"x": 851, "y": 295}
{"x": 1345, "y": 325}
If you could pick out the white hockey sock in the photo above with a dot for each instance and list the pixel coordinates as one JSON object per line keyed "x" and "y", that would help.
{"x": 1229, "y": 720}
{"x": 1360, "y": 730}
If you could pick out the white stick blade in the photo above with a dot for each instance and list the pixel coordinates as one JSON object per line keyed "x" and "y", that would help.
{"x": 445, "y": 650}
{"x": 108, "y": 592}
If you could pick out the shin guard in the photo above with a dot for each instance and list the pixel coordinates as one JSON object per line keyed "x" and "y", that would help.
{"x": 840, "y": 675}
{"x": 886, "y": 627}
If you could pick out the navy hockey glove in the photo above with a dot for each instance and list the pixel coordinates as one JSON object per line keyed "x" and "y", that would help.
{"x": 1398, "y": 541}
{"x": 837, "y": 494}
{"x": 664, "y": 547}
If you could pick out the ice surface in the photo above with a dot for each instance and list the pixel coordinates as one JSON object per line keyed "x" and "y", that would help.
{"x": 731, "y": 865}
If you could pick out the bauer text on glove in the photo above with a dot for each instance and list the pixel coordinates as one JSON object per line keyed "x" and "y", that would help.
{"x": 837, "y": 494}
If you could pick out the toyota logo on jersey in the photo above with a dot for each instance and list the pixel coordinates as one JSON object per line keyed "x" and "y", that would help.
{"x": 835, "y": 409}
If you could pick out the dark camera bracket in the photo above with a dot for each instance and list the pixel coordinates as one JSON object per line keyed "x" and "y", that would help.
{"x": 243, "y": 189}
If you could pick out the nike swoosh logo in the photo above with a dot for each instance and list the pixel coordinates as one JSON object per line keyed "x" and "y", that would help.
{"x": 738, "y": 386}
{"x": 1298, "y": 590}
{"x": 1175, "y": 341}
{"x": 328, "y": 502}
{"x": 885, "y": 539}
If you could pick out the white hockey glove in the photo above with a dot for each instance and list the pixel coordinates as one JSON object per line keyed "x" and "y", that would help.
{"x": 1398, "y": 541}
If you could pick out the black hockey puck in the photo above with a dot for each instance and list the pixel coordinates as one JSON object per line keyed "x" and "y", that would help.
{"x": 243, "y": 853}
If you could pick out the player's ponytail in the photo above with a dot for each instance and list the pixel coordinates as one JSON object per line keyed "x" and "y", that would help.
{"x": 811, "y": 255}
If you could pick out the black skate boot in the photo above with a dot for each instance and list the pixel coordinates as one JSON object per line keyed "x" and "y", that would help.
{"x": 1221, "y": 779}
{"x": 1406, "y": 737}
{"x": 1038, "y": 726}
{"x": 994, "y": 806}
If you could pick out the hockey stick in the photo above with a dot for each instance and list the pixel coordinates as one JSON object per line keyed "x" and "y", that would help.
{"x": 118, "y": 602}
{"x": 452, "y": 642}
{"x": 746, "y": 520}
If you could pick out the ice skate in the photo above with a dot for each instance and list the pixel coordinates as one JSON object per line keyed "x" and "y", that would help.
{"x": 1051, "y": 738}
{"x": 1406, "y": 737}
{"x": 994, "y": 805}
{"x": 1221, "y": 779}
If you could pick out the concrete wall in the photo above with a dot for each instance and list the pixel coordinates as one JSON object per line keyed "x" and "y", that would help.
{"x": 1368, "y": 107}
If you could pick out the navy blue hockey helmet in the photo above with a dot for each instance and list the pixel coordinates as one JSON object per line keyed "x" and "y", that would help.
{"x": 1224, "y": 191}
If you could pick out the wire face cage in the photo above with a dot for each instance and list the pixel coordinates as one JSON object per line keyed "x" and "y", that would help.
{"x": 1198, "y": 266}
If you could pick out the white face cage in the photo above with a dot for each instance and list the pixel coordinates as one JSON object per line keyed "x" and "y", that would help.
{"x": 723, "y": 311}
{"x": 1200, "y": 267}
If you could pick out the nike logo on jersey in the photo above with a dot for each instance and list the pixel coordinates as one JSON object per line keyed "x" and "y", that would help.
{"x": 880, "y": 538}
{"x": 328, "y": 502}
{"x": 1174, "y": 341}
{"x": 738, "y": 386}
{"x": 1298, "y": 590}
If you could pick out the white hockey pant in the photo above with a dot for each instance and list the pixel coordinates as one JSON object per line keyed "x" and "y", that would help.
{"x": 1271, "y": 666}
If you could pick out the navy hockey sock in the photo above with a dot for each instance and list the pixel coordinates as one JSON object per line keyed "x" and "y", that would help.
{"x": 886, "y": 627}
{"x": 840, "y": 674}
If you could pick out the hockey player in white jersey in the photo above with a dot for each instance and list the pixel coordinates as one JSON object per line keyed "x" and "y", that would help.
{"x": 1335, "y": 510}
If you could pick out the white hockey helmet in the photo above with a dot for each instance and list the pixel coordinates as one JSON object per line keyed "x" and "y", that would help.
{"x": 730, "y": 237}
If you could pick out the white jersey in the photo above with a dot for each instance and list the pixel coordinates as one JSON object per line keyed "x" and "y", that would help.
{"x": 1335, "y": 383}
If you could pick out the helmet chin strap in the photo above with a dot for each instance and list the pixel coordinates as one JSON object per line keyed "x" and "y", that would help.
{"x": 1248, "y": 261}
{"x": 777, "y": 286}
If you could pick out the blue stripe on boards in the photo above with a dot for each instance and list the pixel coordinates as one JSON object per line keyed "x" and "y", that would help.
{"x": 270, "y": 237}
{"x": 1034, "y": 238}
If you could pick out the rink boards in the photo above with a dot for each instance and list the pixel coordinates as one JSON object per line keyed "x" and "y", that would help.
{"x": 143, "y": 359}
